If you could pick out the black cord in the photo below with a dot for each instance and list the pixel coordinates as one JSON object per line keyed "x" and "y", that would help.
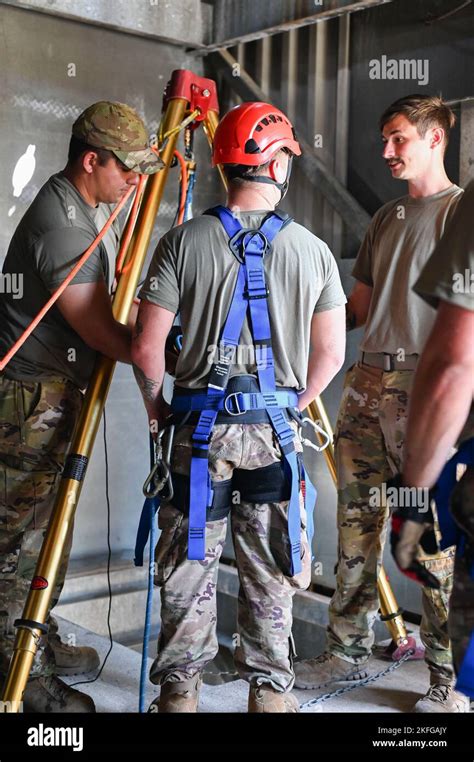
{"x": 109, "y": 556}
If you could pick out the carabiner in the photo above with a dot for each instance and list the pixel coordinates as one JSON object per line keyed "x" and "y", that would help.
{"x": 318, "y": 430}
{"x": 160, "y": 474}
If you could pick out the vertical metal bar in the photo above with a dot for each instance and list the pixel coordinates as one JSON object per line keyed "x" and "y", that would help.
{"x": 288, "y": 86}
{"x": 324, "y": 122}
{"x": 264, "y": 57}
{"x": 289, "y": 73}
{"x": 240, "y": 57}
{"x": 466, "y": 150}
{"x": 342, "y": 121}
{"x": 313, "y": 121}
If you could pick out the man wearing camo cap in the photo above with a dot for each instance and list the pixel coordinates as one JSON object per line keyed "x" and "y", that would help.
{"x": 41, "y": 389}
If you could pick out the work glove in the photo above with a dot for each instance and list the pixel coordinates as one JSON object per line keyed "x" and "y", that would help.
{"x": 410, "y": 530}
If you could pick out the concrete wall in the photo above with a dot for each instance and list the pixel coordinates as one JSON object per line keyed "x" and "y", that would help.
{"x": 184, "y": 22}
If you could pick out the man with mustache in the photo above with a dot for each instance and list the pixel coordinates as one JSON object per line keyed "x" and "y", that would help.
{"x": 372, "y": 419}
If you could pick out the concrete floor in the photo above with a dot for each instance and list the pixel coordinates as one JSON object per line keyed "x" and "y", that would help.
{"x": 117, "y": 689}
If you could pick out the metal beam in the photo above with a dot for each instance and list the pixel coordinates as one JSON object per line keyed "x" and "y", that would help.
{"x": 354, "y": 216}
{"x": 338, "y": 8}
{"x": 342, "y": 120}
{"x": 466, "y": 156}
{"x": 178, "y": 23}
{"x": 289, "y": 73}
{"x": 264, "y": 58}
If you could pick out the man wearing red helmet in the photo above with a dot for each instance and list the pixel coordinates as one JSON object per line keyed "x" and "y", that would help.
{"x": 236, "y": 275}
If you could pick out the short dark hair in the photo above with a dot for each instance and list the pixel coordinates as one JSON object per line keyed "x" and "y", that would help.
{"x": 78, "y": 148}
{"x": 424, "y": 111}
{"x": 238, "y": 173}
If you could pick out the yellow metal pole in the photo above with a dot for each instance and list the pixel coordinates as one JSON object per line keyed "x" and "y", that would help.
{"x": 39, "y": 598}
{"x": 317, "y": 412}
{"x": 388, "y": 604}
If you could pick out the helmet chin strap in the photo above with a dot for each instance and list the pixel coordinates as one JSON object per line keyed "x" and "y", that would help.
{"x": 282, "y": 187}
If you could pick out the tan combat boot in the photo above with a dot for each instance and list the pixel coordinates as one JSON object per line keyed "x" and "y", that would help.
{"x": 71, "y": 660}
{"x": 265, "y": 699}
{"x": 178, "y": 697}
{"x": 326, "y": 668}
{"x": 442, "y": 697}
{"x": 50, "y": 694}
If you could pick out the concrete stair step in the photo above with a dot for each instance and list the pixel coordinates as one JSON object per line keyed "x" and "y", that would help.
{"x": 117, "y": 689}
{"x": 84, "y": 606}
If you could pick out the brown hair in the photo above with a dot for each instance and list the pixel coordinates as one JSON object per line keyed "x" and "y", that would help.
{"x": 424, "y": 111}
{"x": 78, "y": 148}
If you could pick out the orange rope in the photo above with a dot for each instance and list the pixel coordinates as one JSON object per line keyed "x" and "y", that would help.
{"x": 184, "y": 187}
{"x": 56, "y": 294}
{"x": 130, "y": 224}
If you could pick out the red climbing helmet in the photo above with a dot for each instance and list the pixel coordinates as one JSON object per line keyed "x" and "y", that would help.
{"x": 251, "y": 134}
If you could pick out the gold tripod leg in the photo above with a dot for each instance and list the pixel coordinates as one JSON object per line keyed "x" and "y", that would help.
{"x": 316, "y": 410}
{"x": 38, "y": 601}
{"x": 388, "y": 603}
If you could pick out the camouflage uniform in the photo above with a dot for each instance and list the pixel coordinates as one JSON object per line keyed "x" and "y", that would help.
{"x": 37, "y": 422}
{"x": 187, "y": 640}
{"x": 369, "y": 445}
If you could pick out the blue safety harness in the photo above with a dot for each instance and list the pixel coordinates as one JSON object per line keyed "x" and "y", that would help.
{"x": 453, "y": 535}
{"x": 251, "y": 293}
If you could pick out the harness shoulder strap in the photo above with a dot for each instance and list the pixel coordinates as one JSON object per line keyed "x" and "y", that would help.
{"x": 250, "y": 247}
{"x": 283, "y": 216}
{"x": 273, "y": 222}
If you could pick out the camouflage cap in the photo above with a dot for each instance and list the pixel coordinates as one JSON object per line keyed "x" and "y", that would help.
{"x": 118, "y": 128}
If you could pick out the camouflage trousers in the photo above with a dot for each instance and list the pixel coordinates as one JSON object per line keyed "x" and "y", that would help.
{"x": 187, "y": 640}
{"x": 369, "y": 441}
{"x": 461, "y": 605}
{"x": 37, "y": 422}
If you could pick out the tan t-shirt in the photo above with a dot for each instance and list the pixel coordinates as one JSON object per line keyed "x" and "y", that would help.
{"x": 193, "y": 272}
{"x": 398, "y": 243}
{"x": 449, "y": 273}
{"x": 50, "y": 238}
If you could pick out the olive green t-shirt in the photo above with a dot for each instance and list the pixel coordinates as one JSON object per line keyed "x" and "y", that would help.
{"x": 194, "y": 272}
{"x": 397, "y": 245}
{"x": 52, "y": 235}
{"x": 449, "y": 273}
